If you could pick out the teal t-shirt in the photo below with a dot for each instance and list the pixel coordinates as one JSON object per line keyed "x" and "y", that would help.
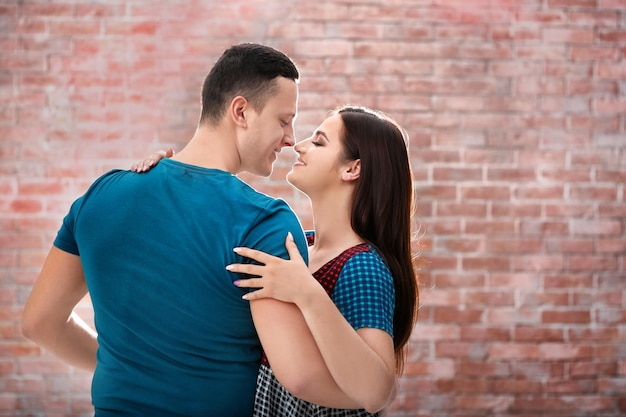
{"x": 175, "y": 338}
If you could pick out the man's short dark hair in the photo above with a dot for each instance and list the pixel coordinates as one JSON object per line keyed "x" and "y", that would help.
{"x": 248, "y": 70}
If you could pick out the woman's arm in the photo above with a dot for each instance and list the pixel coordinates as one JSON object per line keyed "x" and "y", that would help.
{"x": 361, "y": 362}
{"x": 294, "y": 356}
{"x": 48, "y": 318}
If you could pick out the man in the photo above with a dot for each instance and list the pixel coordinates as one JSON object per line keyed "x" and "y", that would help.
{"x": 174, "y": 336}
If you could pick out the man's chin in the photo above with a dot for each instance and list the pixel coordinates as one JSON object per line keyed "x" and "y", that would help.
{"x": 264, "y": 173}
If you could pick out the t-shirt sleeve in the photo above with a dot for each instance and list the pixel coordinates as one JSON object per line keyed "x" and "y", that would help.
{"x": 65, "y": 239}
{"x": 365, "y": 294}
{"x": 65, "y": 236}
{"x": 270, "y": 231}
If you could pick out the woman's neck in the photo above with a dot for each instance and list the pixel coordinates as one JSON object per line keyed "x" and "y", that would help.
{"x": 333, "y": 230}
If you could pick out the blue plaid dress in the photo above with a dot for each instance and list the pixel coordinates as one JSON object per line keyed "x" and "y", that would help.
{"x": 361, "y": 286}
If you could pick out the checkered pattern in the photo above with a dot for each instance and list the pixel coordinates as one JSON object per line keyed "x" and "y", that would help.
{"x": 364, "y": 293}
{"x": 274, "y": 401}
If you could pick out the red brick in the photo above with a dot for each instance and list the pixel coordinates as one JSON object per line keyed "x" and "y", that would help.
{"x": 479, "y": 332}
{"x": 568, "y": 105}
{"x": 485, "y": 192}
{"x": 569, "y": 211}
{"x": 8, "y": 402}
{"x": 515, "y": 209}
{"x": 455, "y": 315}
{"x": 571, "y": 3}
{"x": 518, "y": 34}
{"x": 579, "y": 386}
{"x": 538, "y": 334}
{"x": 431, "y": 50}
{"x": 456, "y": 280}
{"x": 617, "y": 246}
{"x": 490, "y": 226}
{"x": 541, "y": 52}
{"x": 612, "y": 35}
{"x": 548, "y": 405}
{"x": 598, "y": 192}
{"x": 453, "y": 209}
{"x": 573, "y": 280}
{"x": 491, "y": 263}
{"x": 22, "y": 62}
{"x": 490, "y": 298}
{"x": 541, "y": 192}
{"x": 74, "y": 28}
{"x": 570, "y": 245}
{"x": 568, "y": 35}
{"x": 439, "y": 368}
{"x": 546, "y": 299}
{"x": 594, "y": 334}
{"x": 511, "y": 280}
{"x": 490, "y": 121}
{"x": 611, "y": 70}
{"x": 584, "y": 53}
{"x": 537, "y": 263}
{"x": 545, "y": 17}
{"x": 517, "y": 386}
{"x": 597, "y": 123}
{"x": 527, "y": 245}
{"x": 569, "y": 316}
{"x": 592, "y": 263}
{"x": 612, "y": 105}
{"x": 484, "y": 369}
{"x": 535, "y": 370}
{"x": 459, "y": 245}
{"x": 543, "y": 121}
{"x": 458, "y": 104}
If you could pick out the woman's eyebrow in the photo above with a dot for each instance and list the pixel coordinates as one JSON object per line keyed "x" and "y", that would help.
{"x": 322, "y": 133}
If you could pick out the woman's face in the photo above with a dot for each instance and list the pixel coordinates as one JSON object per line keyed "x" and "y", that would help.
{"x": 320, "y": 161}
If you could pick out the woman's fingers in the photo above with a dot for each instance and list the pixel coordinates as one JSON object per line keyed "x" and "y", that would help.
{"x": 254, "y": 254}
{"x": 152, "y": 160}
{"x": 248, "y": 283}
{"x": 248, "y": 269}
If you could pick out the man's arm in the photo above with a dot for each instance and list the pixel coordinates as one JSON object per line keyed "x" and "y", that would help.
{"x": 49, "y": 318}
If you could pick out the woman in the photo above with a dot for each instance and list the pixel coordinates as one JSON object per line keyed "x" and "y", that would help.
{"x": 355, "y": 170}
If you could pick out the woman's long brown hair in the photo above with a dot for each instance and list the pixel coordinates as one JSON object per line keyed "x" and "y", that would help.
{"x": 383, "y": 207}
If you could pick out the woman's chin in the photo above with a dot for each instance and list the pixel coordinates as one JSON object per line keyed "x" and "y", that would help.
{"x": 293, "y": 179}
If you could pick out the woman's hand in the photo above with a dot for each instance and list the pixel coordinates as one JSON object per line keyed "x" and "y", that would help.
{"x": 152, "y": 160}
{"x": 285, "y": 280}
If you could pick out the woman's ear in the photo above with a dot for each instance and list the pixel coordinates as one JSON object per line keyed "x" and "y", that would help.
{"x": 352, "y": 171}
{"x": 237, "y": 110}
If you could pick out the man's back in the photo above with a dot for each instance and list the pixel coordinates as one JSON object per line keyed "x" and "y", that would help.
{"x": 174, "y": 335}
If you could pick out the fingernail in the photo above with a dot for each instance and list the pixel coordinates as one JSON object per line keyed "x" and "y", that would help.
{"x": 236, "y": 250}
{"x": 245, "y": 296}
{"x": 235, "y": 283}
{"x": 229, "y": 267}
{"x": 289, "y": 236}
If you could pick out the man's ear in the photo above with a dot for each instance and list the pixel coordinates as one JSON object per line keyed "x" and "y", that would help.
{"x": 352, "y": 171}
{"x": 237, "y": 109}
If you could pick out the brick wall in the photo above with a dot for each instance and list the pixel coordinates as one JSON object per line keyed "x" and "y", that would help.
{"x": 516, "y": 109}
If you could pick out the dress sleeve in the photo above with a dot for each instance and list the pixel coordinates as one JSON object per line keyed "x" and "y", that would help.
{"x": 365, "y": 294}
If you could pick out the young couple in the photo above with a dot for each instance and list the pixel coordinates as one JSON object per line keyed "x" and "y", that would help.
{"x": 188, "y": 268}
